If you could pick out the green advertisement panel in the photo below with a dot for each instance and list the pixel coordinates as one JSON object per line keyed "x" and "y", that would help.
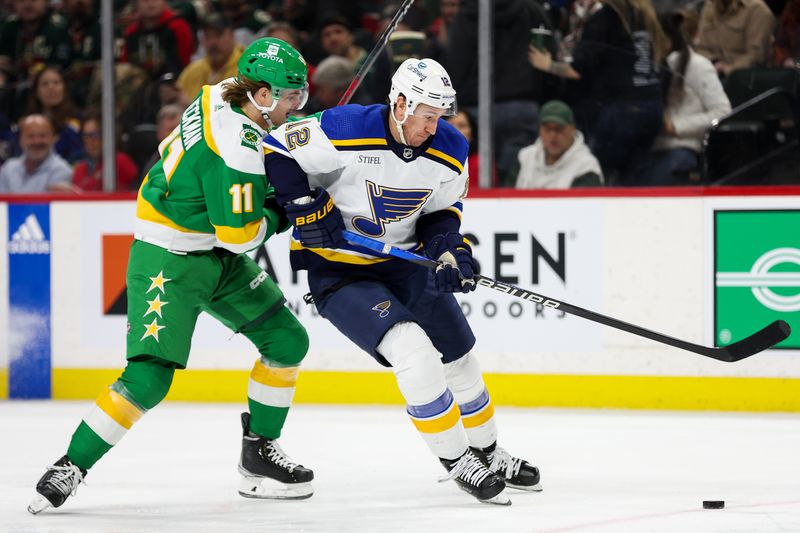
{"x": 757, "y": 273}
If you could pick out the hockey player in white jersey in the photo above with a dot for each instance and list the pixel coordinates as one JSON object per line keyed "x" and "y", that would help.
{"x": 397, "y": 173}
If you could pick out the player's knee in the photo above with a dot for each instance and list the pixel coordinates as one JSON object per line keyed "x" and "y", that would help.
{"x": 414, "y": 359}
{"x": 147, "y": 379}
{"x": 282, "y": 338}
{"x": 464, "y": 377}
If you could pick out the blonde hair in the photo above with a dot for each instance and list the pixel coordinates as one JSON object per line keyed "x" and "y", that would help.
{"x": 235, "y": 92}
{"x": 634, "y": 13}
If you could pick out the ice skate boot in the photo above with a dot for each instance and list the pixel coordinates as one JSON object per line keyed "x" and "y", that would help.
{"x": 518, "y": 473}
{"x": 472, "y": 476}
{"x": 57, "y": 484}
{"x": 267, "y": 472}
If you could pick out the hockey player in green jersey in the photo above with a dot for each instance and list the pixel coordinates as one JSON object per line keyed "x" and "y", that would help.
{"x": 201, "y": 206}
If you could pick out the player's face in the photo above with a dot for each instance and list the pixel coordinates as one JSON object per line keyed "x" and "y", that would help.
{"x": 421, "y": 125}
{"x": 556, "y": 138}
{"x": 290, "y": 101}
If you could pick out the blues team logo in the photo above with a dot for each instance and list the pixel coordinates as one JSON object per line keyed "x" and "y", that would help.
{"x": 383, "y": 308}
{"x": 389, "y": 205}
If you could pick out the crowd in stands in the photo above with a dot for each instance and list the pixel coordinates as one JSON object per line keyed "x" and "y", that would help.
{"x": 586, "y": 93}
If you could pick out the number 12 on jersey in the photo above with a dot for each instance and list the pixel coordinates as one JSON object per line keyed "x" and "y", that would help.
{"x": 242, "y": 193}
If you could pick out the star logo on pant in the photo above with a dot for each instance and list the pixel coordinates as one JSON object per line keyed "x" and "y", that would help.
{"x": 151, "y": 330}
{"x": 158, "y": 282}
{"x": 154, "y": 306}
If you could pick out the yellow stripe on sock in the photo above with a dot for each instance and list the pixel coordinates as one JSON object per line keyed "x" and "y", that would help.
{"x": 437, "y": 425}
{"x": 121, "y": 410}
{"x": 481, "y": 417}
{"x": 274, "y": 376}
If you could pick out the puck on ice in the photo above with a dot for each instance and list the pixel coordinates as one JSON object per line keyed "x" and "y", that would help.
{"x": 713, "y": 504}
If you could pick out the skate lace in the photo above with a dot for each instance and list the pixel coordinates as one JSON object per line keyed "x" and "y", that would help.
{"x": 66, "y": 478}
{"x": 469, "y": 468}
{"x": 278, "y": 456}
{"x": 500, "y": 460}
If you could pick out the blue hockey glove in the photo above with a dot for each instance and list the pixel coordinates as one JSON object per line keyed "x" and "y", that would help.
{"x": 457, "y": 270}
{"x": 319, "y": 223}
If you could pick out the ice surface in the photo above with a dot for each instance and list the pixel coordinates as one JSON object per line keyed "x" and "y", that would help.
{"x": 602, "y": 471}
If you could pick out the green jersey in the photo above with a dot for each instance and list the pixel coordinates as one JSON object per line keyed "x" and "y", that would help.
{"x": 208, "y": 188}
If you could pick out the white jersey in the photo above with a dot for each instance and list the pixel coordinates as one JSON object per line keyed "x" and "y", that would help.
{"x": 381, "y": 187}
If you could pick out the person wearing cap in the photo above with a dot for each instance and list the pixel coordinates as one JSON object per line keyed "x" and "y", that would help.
{"x": 219, "y": 63}
{"x": 559, "y": 159}
{"x": 398, "y": 173}
{"x": 201, "y": 207}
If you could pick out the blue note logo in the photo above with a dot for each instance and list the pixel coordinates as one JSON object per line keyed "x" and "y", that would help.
{"x": 389, "y": 205}
{"x": 29, "y": 238}
{"x": 383, "y": 308}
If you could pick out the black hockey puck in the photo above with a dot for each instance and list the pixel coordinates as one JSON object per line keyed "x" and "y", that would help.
{"x": 713, "y": 504}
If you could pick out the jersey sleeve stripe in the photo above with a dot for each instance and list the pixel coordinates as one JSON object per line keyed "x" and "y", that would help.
{"x": 206, "y": 106}
{"x": 436, "y": 155}
{"x": 271, "y": 143}
{"x": 239, "y": 236}
{"x": 453, "y": 162}
{"x": 359, "y": 142}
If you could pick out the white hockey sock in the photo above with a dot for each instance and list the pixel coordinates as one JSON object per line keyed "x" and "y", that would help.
{"x": 420, "y": 377}
{"x": 477, "y": 413}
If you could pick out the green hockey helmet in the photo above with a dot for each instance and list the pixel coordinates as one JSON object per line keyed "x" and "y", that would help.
{"x": 276, "y": 62}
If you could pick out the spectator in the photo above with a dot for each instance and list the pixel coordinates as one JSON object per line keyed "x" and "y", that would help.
{"x": 336, "y": 37}
{"x": 8, "y": 131}
{"x": 464, "y": 122}
{"x": 39, "y": 169}
{"x": 559, "y": 159}
{"x": 246, "y": 20}
{"x": 735, "y": 34}
{"x": 787, "y": 41}
{"x": 33, "y": 36}
{"x": 616, "y": 60}
{"x": 331, "y": 79}
{"x": 440, "y": 27}
{"x": 159, "y": 41}
{"x": 88, "y": 173}
{"x": 219, "y": 63}
{"x": 694, "y": 100}
{"x": 49, "y": 96}
{"x": 517, "y": 88}
{"x": 84, "y": 31}
{"x": 168, "y": 118}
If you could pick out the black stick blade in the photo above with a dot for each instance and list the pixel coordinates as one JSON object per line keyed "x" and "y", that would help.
{"x": 757, "y": 342}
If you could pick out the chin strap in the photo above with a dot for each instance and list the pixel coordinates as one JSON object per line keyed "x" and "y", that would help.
{"x": 399, "y": 124}
{"x": 263, "y": 110}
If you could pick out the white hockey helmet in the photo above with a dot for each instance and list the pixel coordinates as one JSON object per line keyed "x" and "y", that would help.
{"x": 423, "y": 81}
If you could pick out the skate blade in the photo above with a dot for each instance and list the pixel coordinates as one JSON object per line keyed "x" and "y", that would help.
{"x": 265, "y": 488}
{"x": 39, "y": 504}
{"x": 526, "y": 488}
{"x": 500, "y": 499}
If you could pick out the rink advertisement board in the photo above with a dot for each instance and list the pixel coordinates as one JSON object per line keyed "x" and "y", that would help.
{"x": 757, "y": 272}
{"x": 650, "y": 261}
{"x": 29, "y": 346}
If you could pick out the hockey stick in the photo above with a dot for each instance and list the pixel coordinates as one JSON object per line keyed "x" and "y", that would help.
{"x": 757, "y": 342}
{"x": 373, "y": 55}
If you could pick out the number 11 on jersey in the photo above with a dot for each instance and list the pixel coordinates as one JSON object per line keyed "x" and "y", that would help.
{"x": 242, "y": 192}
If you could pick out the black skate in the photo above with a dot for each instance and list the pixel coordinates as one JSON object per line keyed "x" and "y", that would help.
{"x": 57, "y": 484}
{"x": 518, "y": 473}
{"x": 267, "y": 472}
{"x": 472, "y": 476}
